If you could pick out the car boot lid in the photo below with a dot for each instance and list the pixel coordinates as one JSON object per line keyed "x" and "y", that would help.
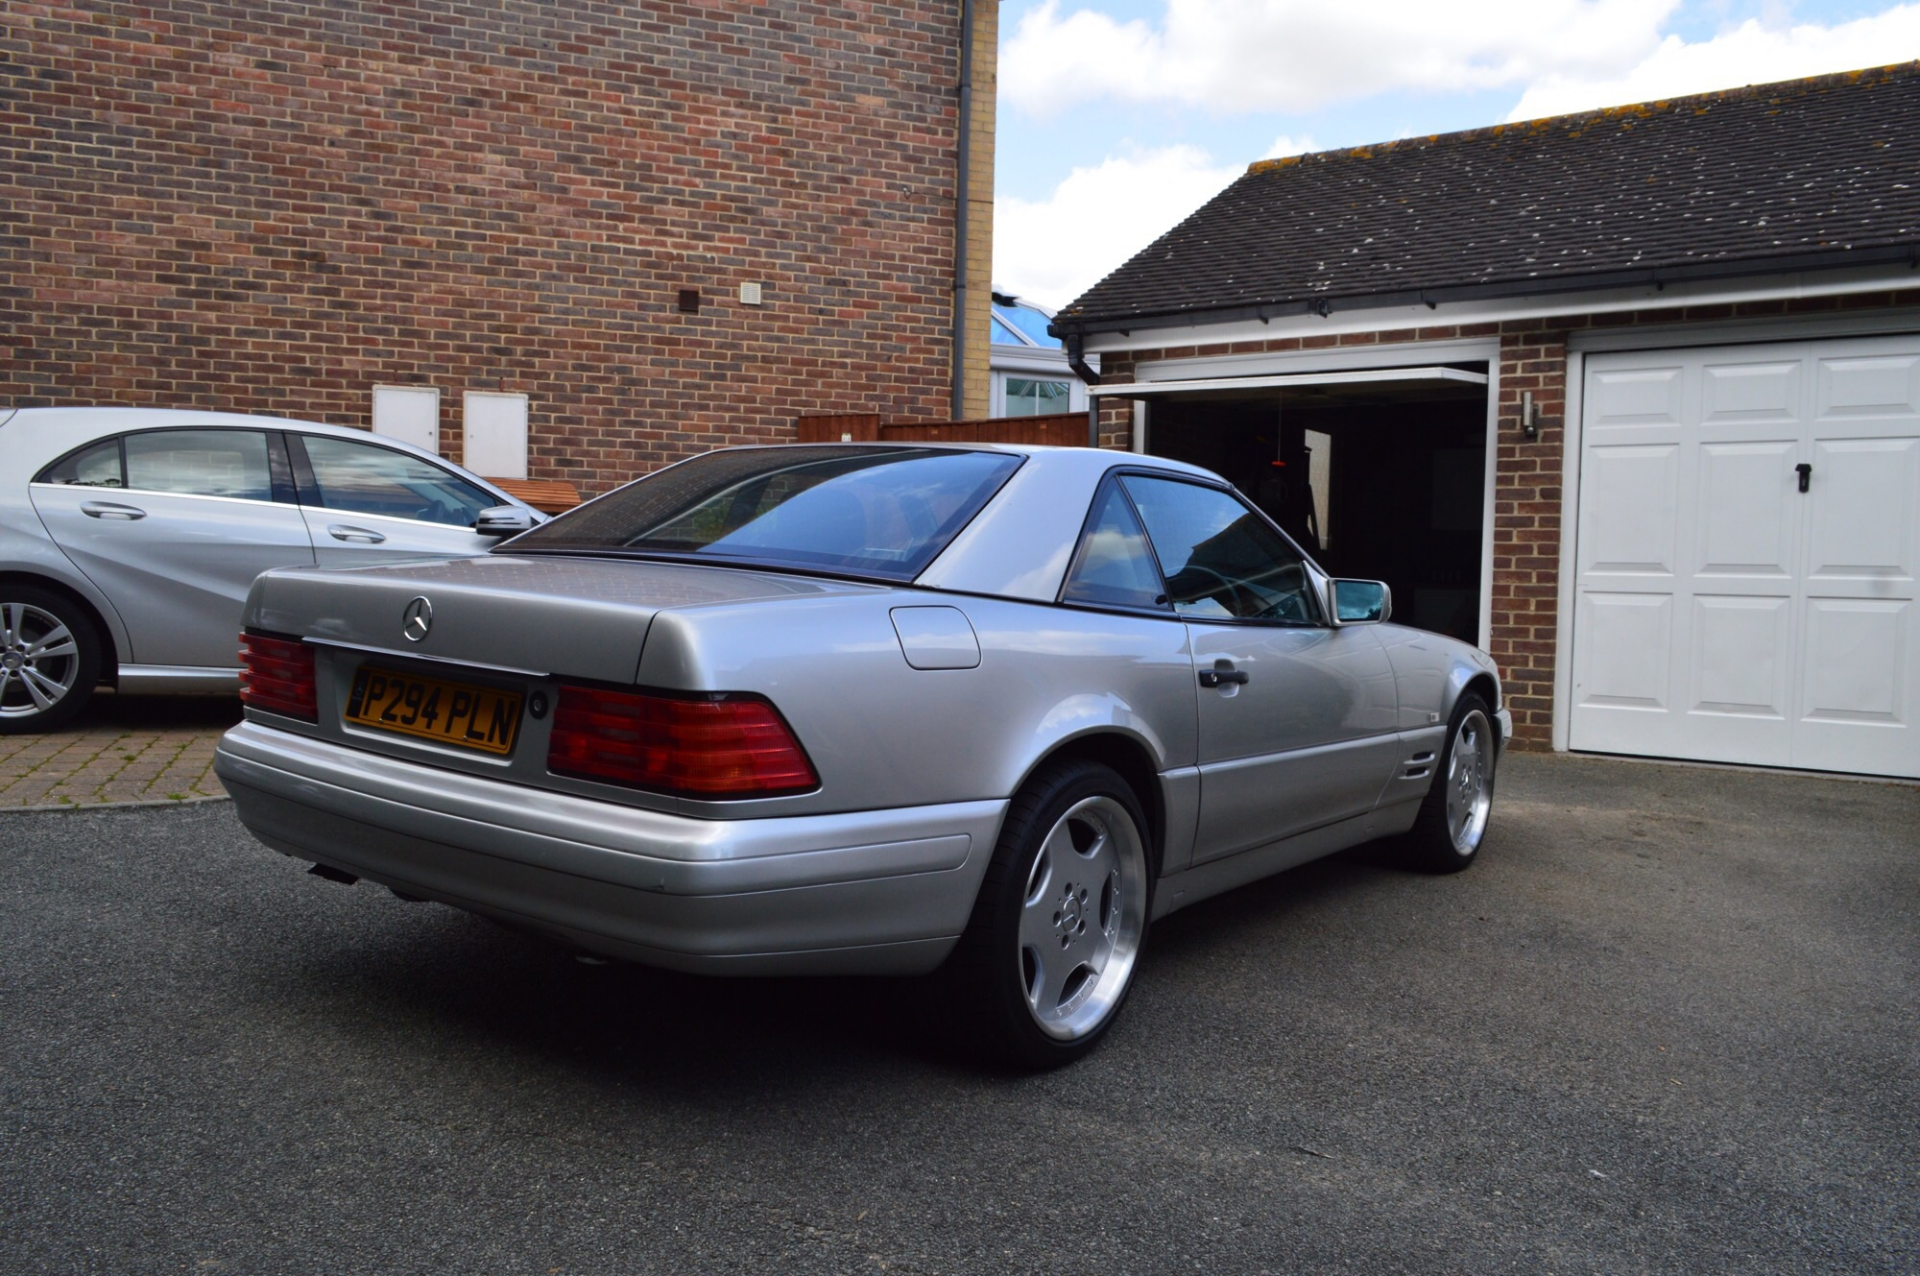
{"x": 582, "y": 618}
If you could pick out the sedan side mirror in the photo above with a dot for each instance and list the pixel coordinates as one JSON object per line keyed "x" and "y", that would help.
{"x": 504, "y": 520}
{"x": 1360, "y": 602}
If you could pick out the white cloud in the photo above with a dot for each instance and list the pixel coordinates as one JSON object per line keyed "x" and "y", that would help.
{"x": 1752, "y": 53}
{"x": 1294, "y": 55}
{"x": 1052, "y": 250}
{"x": 1285, "y": 145}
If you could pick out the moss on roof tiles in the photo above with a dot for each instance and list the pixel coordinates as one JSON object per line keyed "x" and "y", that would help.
{"x": 1742, "y": 174}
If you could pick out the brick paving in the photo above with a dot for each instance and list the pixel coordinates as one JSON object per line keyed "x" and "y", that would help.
{"x": 121, "y": 749}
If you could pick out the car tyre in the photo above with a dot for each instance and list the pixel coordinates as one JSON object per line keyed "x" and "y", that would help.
{"x": 49, "y": 659}
{"x": 1447, "y": 833}
{"x": 1048, "y": 956}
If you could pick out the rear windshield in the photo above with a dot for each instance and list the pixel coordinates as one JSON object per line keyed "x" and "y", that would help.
{"x": 861, "y": 511}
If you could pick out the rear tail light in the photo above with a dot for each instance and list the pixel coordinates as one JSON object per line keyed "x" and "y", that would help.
{"x": 276, "y": 674}
{"x": 715, "y": 747}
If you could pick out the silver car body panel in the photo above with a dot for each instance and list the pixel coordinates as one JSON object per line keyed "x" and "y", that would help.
{"x": 168, "y": 573}
{"x": 176, "y": 680}
{"x": 1019, "y": 546}
{"x": 179, "y": 570}
{"x": 922, "y": 710}
{"x": 871, "y": 892}
{"x": 350, "y": 539}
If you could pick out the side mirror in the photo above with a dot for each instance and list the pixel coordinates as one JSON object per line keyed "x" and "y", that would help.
{"x": 504, "y": 520}
{"x": 1360, "y": 602}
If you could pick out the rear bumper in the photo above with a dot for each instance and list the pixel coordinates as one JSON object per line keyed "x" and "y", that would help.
{"x": 865, "y": 892}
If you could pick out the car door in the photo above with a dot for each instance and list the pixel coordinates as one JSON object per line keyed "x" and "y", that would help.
{"x": 172, "y": 526}
{"x": 367, "y": 503}
{"x": 1296, "y": 716}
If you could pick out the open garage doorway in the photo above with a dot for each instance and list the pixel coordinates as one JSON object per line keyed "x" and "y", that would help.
{"x": 1384, "y": 479}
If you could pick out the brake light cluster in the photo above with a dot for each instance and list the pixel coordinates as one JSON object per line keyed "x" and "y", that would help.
{"x": 276, "y": 674}
{"x": 724, "y": 747}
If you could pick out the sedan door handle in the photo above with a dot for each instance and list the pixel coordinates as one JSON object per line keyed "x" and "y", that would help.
{"x": 107, "y": 509}
{"x": 1215, "y": 677}
{"x": 365, "y": 535}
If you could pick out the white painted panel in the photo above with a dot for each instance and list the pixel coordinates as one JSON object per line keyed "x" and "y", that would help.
{"x": 410, "y": 413}
{"x": 1635, "y": 396}
{"x": 1743, "y": 394}
{"x": 1863, "y": 516}
{"x": 1633, "y": 492}
{"x": 1869, "y": 386}
{"x": 1855, "y": 667}
{"x": 496, "y": 433}
{"x": 1740, "y": 655}
{"x": 1789, "y": 620}
{"x": 1624, "y": 658}
{"x": 1744, "y": 518}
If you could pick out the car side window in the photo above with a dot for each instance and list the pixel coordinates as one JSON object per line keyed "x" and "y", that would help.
{"x": 229, "y": 463}
{"x": 1220, "y": 559}
{"x": 365, "y": 478}
{"x": 96, "y": 466}
{"x": 1113, "y": 566}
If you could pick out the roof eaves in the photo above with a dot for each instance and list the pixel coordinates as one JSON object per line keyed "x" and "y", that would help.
{"x": 1534, "y": 286}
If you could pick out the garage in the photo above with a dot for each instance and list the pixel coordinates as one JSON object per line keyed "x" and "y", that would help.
{"x": 1681, "y": 311}
{"x": 1748, "y": 531}
{"x": 1379, "y": 473}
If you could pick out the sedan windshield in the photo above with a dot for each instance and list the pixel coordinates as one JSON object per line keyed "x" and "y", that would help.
{"x": 863, "y": 511}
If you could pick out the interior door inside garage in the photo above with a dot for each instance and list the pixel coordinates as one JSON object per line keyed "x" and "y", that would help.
{"x": 1748, "y": 538}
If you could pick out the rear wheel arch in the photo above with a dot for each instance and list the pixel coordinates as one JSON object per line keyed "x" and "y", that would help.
{"x": 109, "y": 653}
{"x": 1129, "y": 758}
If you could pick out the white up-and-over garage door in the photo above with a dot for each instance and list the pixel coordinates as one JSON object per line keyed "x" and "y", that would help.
{"x": 1748, "y": 540}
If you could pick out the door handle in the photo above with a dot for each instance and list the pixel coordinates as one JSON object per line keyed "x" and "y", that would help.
{"x": 1805, "y": 472}
{"x": 107, "y": 509}
{"x": 364, "y": 535}
{"x": 1216, "y": 677}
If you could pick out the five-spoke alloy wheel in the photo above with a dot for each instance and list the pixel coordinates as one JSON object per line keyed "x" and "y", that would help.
{"x": 1453, "y": 819}
{"x": 1050, "y": 952}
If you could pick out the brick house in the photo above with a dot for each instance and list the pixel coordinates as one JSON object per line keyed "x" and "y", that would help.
{"x": 629, "y": 232}
{"x": 1632, "y": 398}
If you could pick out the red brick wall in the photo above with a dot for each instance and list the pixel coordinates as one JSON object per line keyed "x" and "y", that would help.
{"x": 273, "y": 206}
{"x": 1527, "y": 472}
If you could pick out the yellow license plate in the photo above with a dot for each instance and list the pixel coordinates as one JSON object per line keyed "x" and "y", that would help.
{"x": 447, "y": 712}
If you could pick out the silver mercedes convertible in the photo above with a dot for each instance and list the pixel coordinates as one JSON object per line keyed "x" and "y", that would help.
{"x": 863, "y": 709}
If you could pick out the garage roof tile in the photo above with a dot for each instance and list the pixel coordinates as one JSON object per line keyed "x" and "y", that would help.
{"x": 1772, "y": 177}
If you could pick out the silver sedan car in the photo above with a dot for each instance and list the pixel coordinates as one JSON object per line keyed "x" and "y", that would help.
{"x": 129, "y": 538}
{"x": 863, "y": 709}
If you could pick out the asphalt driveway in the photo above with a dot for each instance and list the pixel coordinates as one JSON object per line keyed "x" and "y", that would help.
{"x": 1668, "y": 1024}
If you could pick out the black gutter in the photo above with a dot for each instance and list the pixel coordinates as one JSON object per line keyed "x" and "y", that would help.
{"x": 1069, "y": 327}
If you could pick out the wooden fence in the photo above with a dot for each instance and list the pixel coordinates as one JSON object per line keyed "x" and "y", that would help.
{"x": 1065, "y": 429}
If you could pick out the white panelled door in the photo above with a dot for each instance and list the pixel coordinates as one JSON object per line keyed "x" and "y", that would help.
{"x": 1748, "y": 537}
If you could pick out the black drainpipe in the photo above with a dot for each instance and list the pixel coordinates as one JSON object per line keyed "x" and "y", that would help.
{"x": 1077, "y": 360}
{"x": 965, "y": 191}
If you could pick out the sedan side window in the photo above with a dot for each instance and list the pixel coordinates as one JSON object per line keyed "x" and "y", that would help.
{"x": 365, "y": 478}
{"x": 96, "y": 466}
{"x": 1221, "y": 560}
{"x": 1114, "y": 567}
{"x": 229, "y": 463}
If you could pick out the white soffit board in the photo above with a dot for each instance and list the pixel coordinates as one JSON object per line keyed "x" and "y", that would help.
{"x": 496, "y": 433}
{"x": 410, "y": 413}
{"x": 1278, "y": 381}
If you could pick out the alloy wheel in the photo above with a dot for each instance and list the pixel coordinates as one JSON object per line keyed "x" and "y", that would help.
{"x": 39, "y": 660}
{"x": 1082, "y": 918}
{"x": 1470, "y": 782}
